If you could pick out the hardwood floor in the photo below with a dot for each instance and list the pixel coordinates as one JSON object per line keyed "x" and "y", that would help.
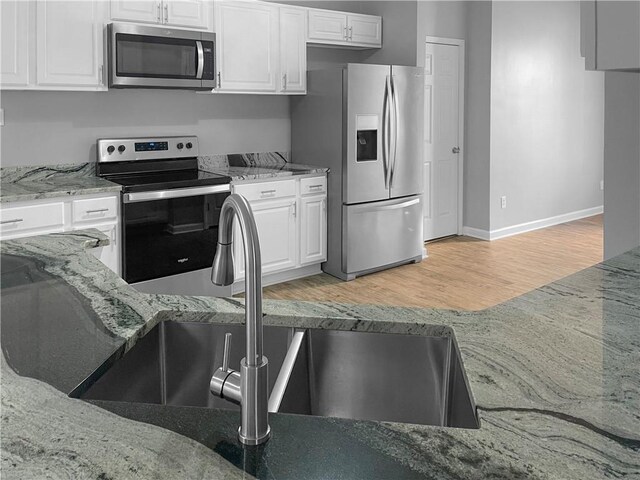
{"x": 464, "y": 273}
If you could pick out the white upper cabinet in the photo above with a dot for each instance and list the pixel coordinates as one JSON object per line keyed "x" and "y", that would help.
{"x": 69, "y": 43}
{"x": 247, "y": 39}
{"x": 328, "y": 27}
{"x": 176, "y": 13}
{"x": 365, "y": 30}
{"x": 293, "y": 50}
{"x": 136, "y": 11}
{"x": 14, "y": 41}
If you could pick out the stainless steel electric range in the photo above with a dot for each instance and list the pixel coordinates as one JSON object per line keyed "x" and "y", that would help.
{"x": 170, "y": 212}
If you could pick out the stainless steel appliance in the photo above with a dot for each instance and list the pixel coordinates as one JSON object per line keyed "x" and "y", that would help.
{"x": 364, "y": 122}
{"x": 158, "y": 57}
{"x": 170, "y": 211}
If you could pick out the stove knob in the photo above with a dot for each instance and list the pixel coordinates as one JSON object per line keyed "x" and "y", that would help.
{"x": 180, "y": 146}
{"x": 189, "y": 145}
{"x": 110, "y": 149}
{"x": 121, "y": 148}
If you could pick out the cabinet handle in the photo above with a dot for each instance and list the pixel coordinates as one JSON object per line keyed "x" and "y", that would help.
{"x": 99, "y": 210}
{"x": 284, "y": 81}
{"x": 268, "y": 193}
{"x": 15, "y": 220}
{"x": 158, "y": 12}
{"x": 324, "y": 205}
{"x": 315, "y": 186}
{"x": 350, "y": 33}
{"x": 101, "y": 74}
{"x": 345, "y": 35}
{"x": 219, "y": 83}
{"x": 166, "y": 13}
{"x": 295, "y": 209}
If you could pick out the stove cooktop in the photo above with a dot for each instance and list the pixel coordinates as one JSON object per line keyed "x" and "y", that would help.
{"x": 144, "y": 182}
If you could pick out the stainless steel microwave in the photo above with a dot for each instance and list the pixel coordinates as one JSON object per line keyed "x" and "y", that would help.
{"x": 158, "y": 57}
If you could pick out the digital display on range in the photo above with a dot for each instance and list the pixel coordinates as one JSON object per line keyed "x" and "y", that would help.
{"x": 151, "y": 146}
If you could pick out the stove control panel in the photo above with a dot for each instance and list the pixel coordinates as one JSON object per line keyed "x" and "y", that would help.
{"x": 150, "y": 148}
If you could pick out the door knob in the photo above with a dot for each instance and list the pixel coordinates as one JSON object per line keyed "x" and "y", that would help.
{"x": 455, "y": 149}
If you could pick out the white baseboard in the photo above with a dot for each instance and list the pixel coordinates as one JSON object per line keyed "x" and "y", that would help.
{"x": 530, "y": 226}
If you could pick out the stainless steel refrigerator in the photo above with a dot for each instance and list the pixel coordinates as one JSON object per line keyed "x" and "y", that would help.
{"x": 364, "y": 122}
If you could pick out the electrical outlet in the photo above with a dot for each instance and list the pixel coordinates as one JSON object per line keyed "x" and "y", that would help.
{"x": 601, "y": 184}
{"x": 503, "y": 201}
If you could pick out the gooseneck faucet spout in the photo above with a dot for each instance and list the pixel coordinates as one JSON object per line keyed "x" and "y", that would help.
{"x": 249, "y": 387}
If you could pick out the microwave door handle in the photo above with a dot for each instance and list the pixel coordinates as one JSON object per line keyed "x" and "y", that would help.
{"x": 200, "y": 59}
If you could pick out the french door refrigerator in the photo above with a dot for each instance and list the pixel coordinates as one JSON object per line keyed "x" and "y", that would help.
{"x": 364, "y": 122}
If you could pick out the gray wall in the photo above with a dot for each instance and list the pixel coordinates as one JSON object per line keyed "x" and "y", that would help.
{"x": 439, "y": 19}
{"x": 621, "y": 162}
{"x": 62, "y": 127}
{"x": 477, "y": 165}
{"x": 546, "y": 114}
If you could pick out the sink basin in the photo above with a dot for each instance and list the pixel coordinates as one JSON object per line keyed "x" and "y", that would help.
{"x": 359, "y": 375}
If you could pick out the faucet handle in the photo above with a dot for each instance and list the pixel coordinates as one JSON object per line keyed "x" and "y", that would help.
{"x": 226, "y": 352}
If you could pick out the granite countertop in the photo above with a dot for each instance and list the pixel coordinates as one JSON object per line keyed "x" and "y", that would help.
{"x": 20, "y": 184}
{"x": 554, "y": 375}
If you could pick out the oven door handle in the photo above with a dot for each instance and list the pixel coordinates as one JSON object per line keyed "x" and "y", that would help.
{"x": 174, "y": 193}
{"x": 200, "y": 59}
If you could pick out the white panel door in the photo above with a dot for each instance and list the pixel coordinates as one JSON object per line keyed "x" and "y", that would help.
{"x": 69, "y": 43}
{"x": 365, "y": 29}
{"x": 313, "y": 229}
{"x": 247, "y": 40}
{"x": 441, "y": 137}
{"x": 293, "y": 50}
{"x": 188, "y": 13}
{"x": 325, "y": 25}
{"x": 143, "y": 11}
{"x": 14, "y": 41}
{"x": 277, "y": 232}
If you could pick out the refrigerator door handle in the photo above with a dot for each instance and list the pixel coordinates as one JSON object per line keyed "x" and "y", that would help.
{"x": 386, "y": 132}
{"x": 394, "y": 132}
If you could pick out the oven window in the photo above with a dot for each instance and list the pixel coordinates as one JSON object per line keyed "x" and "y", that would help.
{"x": 167, "y": 237}
{"x": 151, "y": 57}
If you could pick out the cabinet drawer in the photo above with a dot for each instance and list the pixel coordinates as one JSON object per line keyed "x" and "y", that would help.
{"x": 37, "y": 217}
{"x": 95, "y": 209}
{"x": 266, "y": 190}
{"x": 313, "y": 185}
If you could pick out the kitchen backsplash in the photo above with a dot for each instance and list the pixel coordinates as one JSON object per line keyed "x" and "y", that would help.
{"x": 267, "y": 159}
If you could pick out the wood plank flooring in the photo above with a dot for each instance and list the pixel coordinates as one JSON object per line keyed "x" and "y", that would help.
{"x": 464, "y": 273}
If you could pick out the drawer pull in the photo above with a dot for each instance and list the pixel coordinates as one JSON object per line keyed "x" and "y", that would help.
{"x": 99, "y": 210}
{"x": 15, "y": 220}
{"x": 315, "y": 186}
{"x": 267, "y": 192}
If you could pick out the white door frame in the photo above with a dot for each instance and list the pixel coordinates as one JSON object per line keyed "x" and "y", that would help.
{"x": 461, "y": 57}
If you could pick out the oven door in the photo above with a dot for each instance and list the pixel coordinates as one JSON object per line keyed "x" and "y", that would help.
{"x": 171, "y": 231}
{"x": 160, "y": 57}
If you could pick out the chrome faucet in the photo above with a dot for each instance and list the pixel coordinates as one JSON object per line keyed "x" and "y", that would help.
{"x": 249, "y": 387}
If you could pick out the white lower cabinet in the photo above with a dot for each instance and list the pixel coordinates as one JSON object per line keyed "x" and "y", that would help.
{"x": 41, "y": 217}
{"x": 292, "y": 227}
{"x": 313, "y": 229}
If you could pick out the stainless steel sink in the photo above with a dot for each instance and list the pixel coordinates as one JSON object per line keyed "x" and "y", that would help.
{"x": 359, "y": 375}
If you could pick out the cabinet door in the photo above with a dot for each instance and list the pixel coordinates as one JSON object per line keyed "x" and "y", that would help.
{"x": 365, "y": 30}
{"x": 145, "y": 11}
{"x": 14, "y": 40}
{"x": 293, "y": 49}
{"x": 325, "y": 25}
{"x": 188, "y": 13}
{"x": 69, "y": 43}
{"x": 109, "y": 254}
{"x": 277, "y": 226}
{"x": 247, "y": 45}
{"x": 313, "y": 229}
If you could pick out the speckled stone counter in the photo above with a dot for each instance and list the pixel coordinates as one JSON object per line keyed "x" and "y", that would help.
{"x": 52, "y": 181}
{"x": 554, "y": 374}
{"x": 256, "y": 166}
